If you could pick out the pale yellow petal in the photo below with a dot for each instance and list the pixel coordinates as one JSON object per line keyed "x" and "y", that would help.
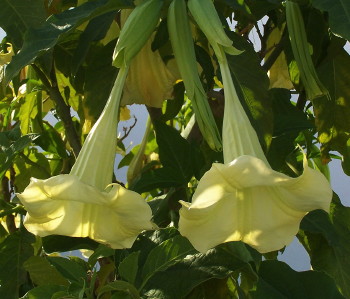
{"x": 63, "y": 205}
{"x": 149, "y": 81}
{"x": 247, "y": 201}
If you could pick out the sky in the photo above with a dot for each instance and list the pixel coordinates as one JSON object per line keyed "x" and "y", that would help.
{"x": 294, "y": 254}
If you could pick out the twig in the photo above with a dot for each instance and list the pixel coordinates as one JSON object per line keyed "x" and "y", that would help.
{"x": 63, "y": 110}
{"x": 128, "y": 130}
{"x": 10, "y": 219}
{"x": 274, "y": 55}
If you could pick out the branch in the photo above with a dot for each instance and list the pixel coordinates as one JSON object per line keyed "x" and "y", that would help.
{"x": 10, "y": 219}
{"x": 274, "y": 55}
{"x": 127, "y": 131}
{"x": 63, "y": 110}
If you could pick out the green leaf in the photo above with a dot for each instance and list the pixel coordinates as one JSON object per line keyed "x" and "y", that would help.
{"x": 50, "y": 140}
{"x": 277, "y": 280}
{"x": 12, "y": 143}
{"x": 252, "y": 84}
{"x": 339, "y": 15}
{"x": 173, "y": 107}
{"x": 175, "y": 156}
{"x": 29, "y": 164}
{"x": 69, "y": 268}
{"x": 28, "y": 111}
{"x": 43, "y": 273}
{"x": 149, "y": 240}
{"x": 45, "y": 291}
{"x": 39, "y": 40}
{"x": 94, "y": 31}
{"x": 174, "y": 151}
{"x": 99, "y": 79}
{"x": 333, "y": 116}
{"x": 327, "y": 241}
{"x": 165, "y": 255}
{"x": 14, "y": 251}
{"x": 16, "y": 17}
{"x": 100, "y": 251}
{"x": 288, "y": 123}
{"x": 129, "y": 266}
{"x": 164, "y": 177}
{"x": 56, "y": 243}
{"x": 178, "y": 280}
{"x": 121, "y": 286}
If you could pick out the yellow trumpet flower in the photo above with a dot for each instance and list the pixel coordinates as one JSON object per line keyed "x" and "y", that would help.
{"x": 244, "y": 199}
{"x": 85, "y": 203}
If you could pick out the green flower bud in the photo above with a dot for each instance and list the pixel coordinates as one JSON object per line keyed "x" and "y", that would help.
{"x": 136, "y": 31}
{"x": 182, "y": 43}
{"x": 300, "y": 47}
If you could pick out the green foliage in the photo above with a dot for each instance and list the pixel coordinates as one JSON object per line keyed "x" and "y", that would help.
{"x": 278, "y": 280}
{"x": 339, "y": 15}
{"x": 327, "y": 242}
{"x": 17, "y": 17}
{"x": 14, "y": 251}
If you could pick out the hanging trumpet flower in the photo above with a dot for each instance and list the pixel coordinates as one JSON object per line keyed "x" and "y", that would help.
{"x": 300, "y": 47}
{"x": 85, "y": 203}
{"x": 182, "y": 43}
{"x": 149, "y": 80}
{"x": 244, "y": 199}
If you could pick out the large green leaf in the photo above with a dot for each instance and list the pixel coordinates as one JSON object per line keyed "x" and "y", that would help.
{"x": 69, "y": 268}
{"x": 40, "y": 40}
{"x": 175, "y": 156}
{"x": 288, "y": 123}
{"x": 12, "y": 143}
{"x": 333, "y": 116}
{"x": 99, "y": 79}
{"x": 124, "y": 290}
{"x": 339, "y": 15}
{"x": 55, "y": 243}
{"x": 94, "y": 31}
{"x": 178, "y": 280}
{"x": 174, "y": 150}
{"x": 16, "y": 17}
{"x": 14, "y": 251}
{"x": 42, "y": 273}
{"x": 129, "y": 266}
{"x": 252, "y": 84}
{"x": 165, "y": 255}
{"x": 45, "y": 291}
{"x": 327, "y": 241}
{"x": 277, "y": 280}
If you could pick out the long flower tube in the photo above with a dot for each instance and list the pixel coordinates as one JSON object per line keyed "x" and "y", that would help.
{"x": 244, "y": 199}
{"x": 85, "y": 203}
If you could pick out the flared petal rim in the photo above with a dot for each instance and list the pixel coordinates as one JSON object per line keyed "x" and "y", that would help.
{"x": 64, "y": 205}
{"x": 247, "y": 201}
